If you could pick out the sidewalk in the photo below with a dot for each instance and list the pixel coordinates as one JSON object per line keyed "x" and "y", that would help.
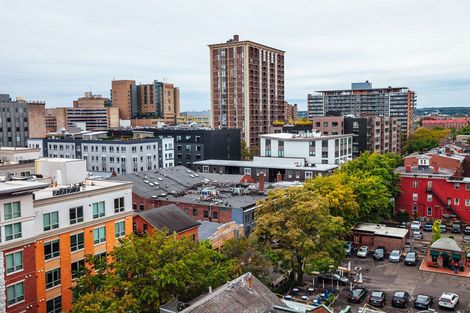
{"x": 425, "y": 267}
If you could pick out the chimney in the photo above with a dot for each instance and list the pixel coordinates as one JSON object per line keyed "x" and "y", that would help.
{"x": 210, "y": 289}
{"x": 261, "y": 182}
{"x": 249, "y": 281}
{"x": 436, "y": 169}
{"x": 279, "y": 177}
{"x": 235, "y": 38}
{"x": 408, "y": 168}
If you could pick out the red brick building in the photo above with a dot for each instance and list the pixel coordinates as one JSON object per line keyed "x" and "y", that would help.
{"x": 377, "y": 235}
{"x": 457, "y": 123}
{"x": 170, "y": 217}
{"x": 433, "y": 191}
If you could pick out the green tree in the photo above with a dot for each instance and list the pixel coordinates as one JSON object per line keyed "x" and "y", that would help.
{"x": 148, "y": 271}
{"x": 424, "y": 139}
{"x": 436, "y": 230}
{"x": 250, "y": 256}
{"x": 308, "y": 237}
{"x": 247, "y": 153}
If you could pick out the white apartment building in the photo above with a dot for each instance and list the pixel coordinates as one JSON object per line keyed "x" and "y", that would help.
{"x": 312, "y": 146}
{"x": 108, "y": 156}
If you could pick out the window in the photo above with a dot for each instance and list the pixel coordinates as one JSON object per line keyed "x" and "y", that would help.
{"x": 119, "y": 228}
{"x": 13, "y": 231}
{"x": 194, "y": 212}
{"x": 146, "y": 228}
{"x": 78, "y": 268}
{"x": 215, "y": 215}
{"x": 53, "y": 278}
{"x": 50, "y": 220}
{"x": 247, "y": 171}
{"x": 429, "y": 198}
{"x": 119, "y": 205}
{"x": 76, "y": 242}
{"x": 14, "y": 262}
{"x": 54, "y": 305}
{"x": 429, "y": 211}
{"x": 415, "y": 197}
{"x": 76, "y": 215}
{"x": 415, "y": 210}
{"x": 415, "y": 184}
{"x": 51, "y": 249}
{"x": 467, "y": 202}
{"x": 456, "y": 201}
{"x": 456, "y": 186}
{"x": 206, "y": 214}
{"x": 308, "y": 175}
{"x": 12, "y": 210}
{"x": 98, "y": 209}
{"x": 15, "y": 293}
{"x": 99, "y": 235}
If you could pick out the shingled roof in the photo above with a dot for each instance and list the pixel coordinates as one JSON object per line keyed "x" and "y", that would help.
{"x": 169, "y": 216}
{"x": 245, "y": 294}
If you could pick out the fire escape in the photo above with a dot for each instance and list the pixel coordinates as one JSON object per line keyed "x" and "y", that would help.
{"x": 446, "y": 204}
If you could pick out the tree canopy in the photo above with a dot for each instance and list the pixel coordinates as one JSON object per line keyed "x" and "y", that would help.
{"x": 148, "y": 271}
{"x": 308, "y": 238}
{"x": 424, "y": 139}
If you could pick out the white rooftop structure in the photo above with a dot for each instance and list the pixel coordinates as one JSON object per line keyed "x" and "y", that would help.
{"x": 381, "y": 230}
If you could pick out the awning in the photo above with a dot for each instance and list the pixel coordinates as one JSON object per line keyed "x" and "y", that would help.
{"x": 456, "y": 256}
{"x": 435, "y": 253}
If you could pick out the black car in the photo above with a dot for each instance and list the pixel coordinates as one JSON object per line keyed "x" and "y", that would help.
{"x": 402, "y": 225}
{"x": 411, "y": 258}
{"x": 357, "y": 295}
{"x": 400, "y": 299}
{"x": 379, "y": 253}
{"x": 377, "y": 298}
{"x": 423, "y": 302}
{"x": 466, "y": 230}
{"x": 456, "y": 229}
{"x": 427, "y": 227}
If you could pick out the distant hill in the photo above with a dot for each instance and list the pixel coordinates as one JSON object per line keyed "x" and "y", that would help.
{"x": 447, "y": 110}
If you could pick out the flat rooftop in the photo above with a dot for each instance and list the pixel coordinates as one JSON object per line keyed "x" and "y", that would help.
{"x": 380, "y": 230}
{"x": 265, "y": 163}
{"x": 20, "y": 186}
{"x": 306, "y": 136}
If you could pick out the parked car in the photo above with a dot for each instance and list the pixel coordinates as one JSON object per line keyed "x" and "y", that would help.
{"x": 348, "y": 248}
{"x": 417, "y": 235}
{"x": 466, "y": 240}
{"x": 402, "y": 225}
{"x": 328, "y": 277}
{"x": 456, "y": 229}
{"x": 423, "y": 302}
{"x": 357, "y": 295}
{"x": 377, "y": 298}
{"x": 362, "y": 252}
{"x": 400, "y": 299}
{"x": 466, "y": 230}
{"x": 443, "y": 228}
{"x": 427, "y": 227}
{"x": 448, "y": 300}
{"x": 411, "y": 258}
{"x": 395, "y": 256}
{"x": 415, "y": 225}
{"x": 379, "y": 253}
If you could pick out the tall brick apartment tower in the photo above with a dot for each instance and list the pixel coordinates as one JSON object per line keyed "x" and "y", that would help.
{"x": 247, "y": 87}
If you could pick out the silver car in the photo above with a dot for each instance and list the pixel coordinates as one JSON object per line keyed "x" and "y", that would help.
{"x": 395, "y": 256}
{"x": 362, "y": 252}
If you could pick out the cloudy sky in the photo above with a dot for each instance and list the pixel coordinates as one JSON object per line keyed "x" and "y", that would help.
{"x": 56, "y": 50}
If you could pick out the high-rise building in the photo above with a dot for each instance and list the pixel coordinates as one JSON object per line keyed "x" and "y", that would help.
{"x": 158, "y": 100}
{"x": 20, "y": 120}
{"x": 247, "y": 87}
{"x": 398, "y": 102}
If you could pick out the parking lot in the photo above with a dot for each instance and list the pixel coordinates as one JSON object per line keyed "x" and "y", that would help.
{"x": 390, "y": 277}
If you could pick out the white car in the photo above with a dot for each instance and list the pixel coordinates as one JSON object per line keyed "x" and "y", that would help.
{"x": 448, "y": 300}
{"x": 395, "y": 256}
{"x": 417, "y": 234}
{"x": 362, "y": 252}
{"x": 415, "y": 225}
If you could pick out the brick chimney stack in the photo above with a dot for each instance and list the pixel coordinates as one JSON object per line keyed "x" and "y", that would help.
{"x": 261, "y": 182}
{"x": 408, "y": 168}
{"x": 436, "y": 169}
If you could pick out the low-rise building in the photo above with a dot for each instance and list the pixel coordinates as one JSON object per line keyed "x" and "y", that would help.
{"x": 169, "y": 217}
{"x": 47, "y": 228}
{"x": 456, "y": 123}
{"x": 111, "y": 156}
{"x": 218, "y": 233}
{"x": 17, "y": 162}
{"x": 376, "y": 235}
{"x": 312, "y": 146}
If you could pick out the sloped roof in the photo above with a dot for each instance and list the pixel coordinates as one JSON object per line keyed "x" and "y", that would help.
{"x": 446, "y": 243}
{"x": 169, "y": 216}
{"x": 236, "y": 296}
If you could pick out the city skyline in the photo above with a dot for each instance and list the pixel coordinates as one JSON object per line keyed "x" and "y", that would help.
{"x": 57, "y": 51}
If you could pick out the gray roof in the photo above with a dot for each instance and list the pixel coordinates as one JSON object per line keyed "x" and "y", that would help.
{"x": 207, "y": 229}
{"x": 236, "y": 296}
{"x": 446, "y": 243}
{"x": 169, "y": 216}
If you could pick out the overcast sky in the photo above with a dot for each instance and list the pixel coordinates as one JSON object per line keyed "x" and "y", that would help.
{"x": 56, "y": 50}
